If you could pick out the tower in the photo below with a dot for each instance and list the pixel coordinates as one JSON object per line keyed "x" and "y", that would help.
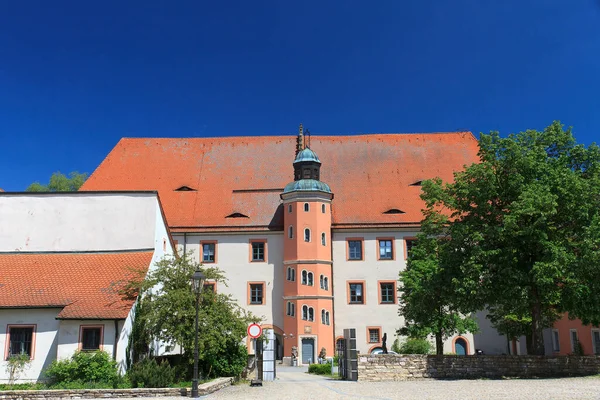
{"x": 307, "y": 259}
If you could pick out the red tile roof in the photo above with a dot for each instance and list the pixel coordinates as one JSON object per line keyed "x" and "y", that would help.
{"x": 368, "y": 174}
{"x": 85, "y": 284}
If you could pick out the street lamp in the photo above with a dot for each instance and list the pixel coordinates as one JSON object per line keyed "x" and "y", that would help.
{"x": 197, "y": 285}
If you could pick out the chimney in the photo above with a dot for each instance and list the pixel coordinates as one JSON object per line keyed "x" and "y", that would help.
{"x": 300, "y": 140}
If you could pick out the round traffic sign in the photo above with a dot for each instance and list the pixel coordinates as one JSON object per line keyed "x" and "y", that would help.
{"x": 254, "y": 331}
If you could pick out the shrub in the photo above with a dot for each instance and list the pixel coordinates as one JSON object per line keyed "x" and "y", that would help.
{"x": 415, "y": 346}
{"x": 396, "y": 346}
{"x": 84, "y": 367}
{"x": 319, "y": 369}
{"x": 15, "y": 365}
{"x": 228, "y": 362}
{"x": 150, "y": 374}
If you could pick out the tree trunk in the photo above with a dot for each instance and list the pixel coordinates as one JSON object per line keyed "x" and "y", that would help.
{"x": 537, "y": 334}
{"x": 439, "y": 344}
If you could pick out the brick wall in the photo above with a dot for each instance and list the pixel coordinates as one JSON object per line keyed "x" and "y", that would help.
{"x": 392, "y": 367}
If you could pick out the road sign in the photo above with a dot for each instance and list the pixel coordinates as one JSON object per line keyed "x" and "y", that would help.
{"x": 254, "y": 331}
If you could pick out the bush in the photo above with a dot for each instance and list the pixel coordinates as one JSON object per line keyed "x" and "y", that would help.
{"x": 396, "y": 346}
{"x": 83, "y": 368}
{"x": 150, "y": 374}
{"x": 319, "y": 369}
{"x": 228, "y": 362}
{"x": 415, "y": 346}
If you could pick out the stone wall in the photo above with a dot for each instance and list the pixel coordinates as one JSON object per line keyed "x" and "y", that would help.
{"x": 203, "y": 389}
{"x": 392, "y": 367}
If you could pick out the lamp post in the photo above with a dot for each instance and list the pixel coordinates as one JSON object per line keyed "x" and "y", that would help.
{"x": 197, "y": 285}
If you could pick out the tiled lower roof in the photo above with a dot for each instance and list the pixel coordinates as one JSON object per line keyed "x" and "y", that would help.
{"x": 84, "y": 285}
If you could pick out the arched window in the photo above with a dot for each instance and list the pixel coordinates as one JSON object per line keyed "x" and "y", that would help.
{"x": 291, "y": 309}
{"x": 291, "y": 232}
{"x": 323, "y": 208}
{"x": 306, "y": 207}
{"x": 291, "y": 274}
{"x": 305, "y": 312}
{"x": 289, "y": 208}
{"x": 310, "y": 279}
{"x": 326, "y": 283}
{"x": 321, "y": 281}
{"x": 307, "y": 235}
{"x": 311, "y": 314}
{"x": 323, "y": 241}
{"x": 304, "y": 277}
{"x": 323, "y": 316}
{"x": 327, "y": 318}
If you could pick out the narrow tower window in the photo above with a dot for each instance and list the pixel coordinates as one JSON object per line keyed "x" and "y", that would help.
{"x": 323, "y": 208}
{"x": 323, "y": 241}
{"x": 306, "y": 207}
{"x": 291, "y": 232}
{"x": 289, "y": 208}
{"x": 307, "y": 235}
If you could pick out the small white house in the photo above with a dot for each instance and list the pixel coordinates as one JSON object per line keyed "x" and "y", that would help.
{"x": 64, "y": 258}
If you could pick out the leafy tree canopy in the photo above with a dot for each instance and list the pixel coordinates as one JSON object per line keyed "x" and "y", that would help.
{"x": 427, "y": 300}
{"x": 60, "y": 183}
{"x": 166, "y": 311}
{"x": 522, "y": 231}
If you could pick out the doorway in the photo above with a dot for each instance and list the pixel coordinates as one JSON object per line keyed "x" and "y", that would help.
{"x": 308, "y": 350}
{"x": 460, "y": 347}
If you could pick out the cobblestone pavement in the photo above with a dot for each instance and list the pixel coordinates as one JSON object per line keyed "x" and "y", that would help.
{"x": 298, "y": 385}
{"x": 294, "y": 383}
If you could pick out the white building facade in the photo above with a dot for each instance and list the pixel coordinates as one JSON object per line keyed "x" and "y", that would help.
{"x": 63, "y": 257}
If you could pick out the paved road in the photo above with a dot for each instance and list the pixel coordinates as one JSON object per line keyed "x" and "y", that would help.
{"x": 293, "y": 384}
{"x": 296, "y": 384}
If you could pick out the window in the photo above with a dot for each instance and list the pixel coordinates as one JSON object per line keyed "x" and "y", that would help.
{"x": 323, "y": 240}
{"x": 374, "y": 335}
{"x": 20, "y": 340}
{"x": 308, "y": 313}
{"x": 323, "y": 208}
{"x": 291, "y": 309}
{"x": 291, "y": 274}
{"x": 208, "y": 252}
{"x": 325, "y": 317}
{"x": 387, "y": 292}
{"x": 91, "y": 337}
{"x": 555, "y": 341}
{"x": 257, "y": 293}
{"x": 307, "y": 278}
{"x": 574, "y": 340}
{"x": 258, "y": 250}
{"x": 306, "y": 207}
{"x": 356, "y": 293}
{"x": 355, "y": 249}
{"x": 596, "y": 341}
{"x": 307, "y": 235}
{"x": 410, "y": 243}
{"x": 289, "y": 208}
{"x": 324, "y": 282}
{"x": 386, "y": 251}
{"x": 291, "y": 232}
{"x": 211, "y": 286}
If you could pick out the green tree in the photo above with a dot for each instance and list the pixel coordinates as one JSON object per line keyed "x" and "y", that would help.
{"x": 166, "y": 311}
{"x": 522, "y": 231}
{"x": 60, "y": 183}
{"x": 427, "y": 293}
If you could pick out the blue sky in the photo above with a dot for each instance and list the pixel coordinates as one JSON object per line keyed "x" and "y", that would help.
{"x": 76, "y": 76}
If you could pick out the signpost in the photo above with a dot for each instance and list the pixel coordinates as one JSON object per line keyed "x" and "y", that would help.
{"x": 254, "y": 332}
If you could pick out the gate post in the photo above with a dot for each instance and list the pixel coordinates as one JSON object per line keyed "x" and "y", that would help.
{"x": 351, "y": 355}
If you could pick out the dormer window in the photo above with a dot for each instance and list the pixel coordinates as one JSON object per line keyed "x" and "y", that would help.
{"x": 185, "y": 189}
{"x": 394, "y": 211}
{"x": 237, "y": 215}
